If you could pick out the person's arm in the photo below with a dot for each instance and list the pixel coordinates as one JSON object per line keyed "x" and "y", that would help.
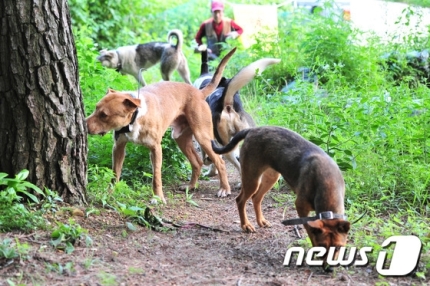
{"x": 236, "y": 30}
{"x": 236, "y": 27}
{"x": 200, "y": 34}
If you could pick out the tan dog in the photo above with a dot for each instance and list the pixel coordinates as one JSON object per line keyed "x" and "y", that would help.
{"x": 267, "y": 153}
{"x": 160, "y": 106}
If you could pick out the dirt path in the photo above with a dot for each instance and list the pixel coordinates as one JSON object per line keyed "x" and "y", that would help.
{"x": 191, "y": 255}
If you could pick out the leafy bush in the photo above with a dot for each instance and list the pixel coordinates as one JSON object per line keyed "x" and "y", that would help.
{"x": 14, "y": 213}
{"x": 10, "y": 250}
{"x": 379, "y": 140}
{"x": 65, "y": 236}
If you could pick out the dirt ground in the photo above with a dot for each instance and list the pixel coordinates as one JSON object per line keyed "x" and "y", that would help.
{"x": 208, "y": 249}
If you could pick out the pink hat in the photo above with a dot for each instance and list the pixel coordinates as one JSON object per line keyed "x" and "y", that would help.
{"x": 217, "y": 6}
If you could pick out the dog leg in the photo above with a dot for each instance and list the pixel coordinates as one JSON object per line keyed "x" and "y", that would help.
{"x": 167, "y": 67}
{"x": 140, "y": 78}
{"x": 184, "y": 71}
{"x": 203, "y": 132}
{"x": 249, "y": 187}
{"x": 232, "y": 158}
{"x": 219, "y": 163}
{"x": 268, "y": 179}
{"x": 118, "y": 155}
{"x": 156, "y": 160}
{"x": 185, "y": 143}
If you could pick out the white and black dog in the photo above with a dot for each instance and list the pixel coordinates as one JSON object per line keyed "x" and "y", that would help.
{"x": 130, "y": 59}
{"x": 228, "y": 114}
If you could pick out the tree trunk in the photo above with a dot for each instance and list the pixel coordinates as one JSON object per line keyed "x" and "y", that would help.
{"x": 42, "y": 122}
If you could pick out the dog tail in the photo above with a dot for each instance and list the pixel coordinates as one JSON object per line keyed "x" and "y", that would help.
{"x": 239, "y": 136}
{"x": 207, "y": 90}
{"x": 178, "y": 35}
{"x": 244, "y": 76}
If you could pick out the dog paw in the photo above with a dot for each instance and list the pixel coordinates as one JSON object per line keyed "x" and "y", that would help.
{"x": 248, "y": 227}
{"x": 264, "y": 223}
{"x": 186, "y": 188}
{"x": 157, "y": 200}
{"x": 223, "y": 193}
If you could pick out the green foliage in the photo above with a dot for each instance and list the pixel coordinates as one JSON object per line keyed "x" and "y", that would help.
{"x": 113, "y": 21}
{"x": 17, "y": 186}
{"x": 103, "y": 192}
{"x": 10, "y": 250}
{"x": 189, "y": 198}
{"x": 128, "y": 201}
{"x": 66, "y": 269}
{"x": 141, "y": 216}
{"x": 120, "y": 23}
{"x": 67, "y": 235}
{"x": 50, "y": 201}
{"x": 14, "y": 214}
{"x": 362, "y": 234}
{"x": 422, "y": 3}
{"x": 370, "y": 135}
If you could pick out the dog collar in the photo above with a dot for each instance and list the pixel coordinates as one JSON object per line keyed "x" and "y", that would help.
{"x": 119, "y": 66}
{"x": 321, "y": 215}
{"x": 126, "y": 129}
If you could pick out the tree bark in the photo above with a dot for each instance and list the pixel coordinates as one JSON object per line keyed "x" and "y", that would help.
{"x": 42, "y": 122}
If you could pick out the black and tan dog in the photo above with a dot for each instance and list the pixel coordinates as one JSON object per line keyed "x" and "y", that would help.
{"x": 267, "y": 153}
{"x": 130, "y": 59}
{"x": 144, "y": 121}
{"x": 228, "y": 114}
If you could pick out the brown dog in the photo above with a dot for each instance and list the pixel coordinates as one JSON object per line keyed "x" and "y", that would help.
{"x": 144, "y": 121}
{"x": 267, "y": 153}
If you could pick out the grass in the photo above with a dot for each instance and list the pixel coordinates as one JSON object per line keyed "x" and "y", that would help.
{"x": 421, "y": 3}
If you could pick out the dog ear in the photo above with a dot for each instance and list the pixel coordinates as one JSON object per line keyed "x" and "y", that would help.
{"x": 131, "y": 103}
{"x": 317, "y": 226}
{"x": 110, "y": 90}
{"x": 343, "y": 226}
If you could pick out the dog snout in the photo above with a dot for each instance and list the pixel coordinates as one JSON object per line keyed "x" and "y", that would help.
{"x": 92, "y": 126}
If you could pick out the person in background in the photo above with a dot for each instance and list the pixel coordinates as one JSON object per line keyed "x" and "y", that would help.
{"x": 216, "y": 30}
